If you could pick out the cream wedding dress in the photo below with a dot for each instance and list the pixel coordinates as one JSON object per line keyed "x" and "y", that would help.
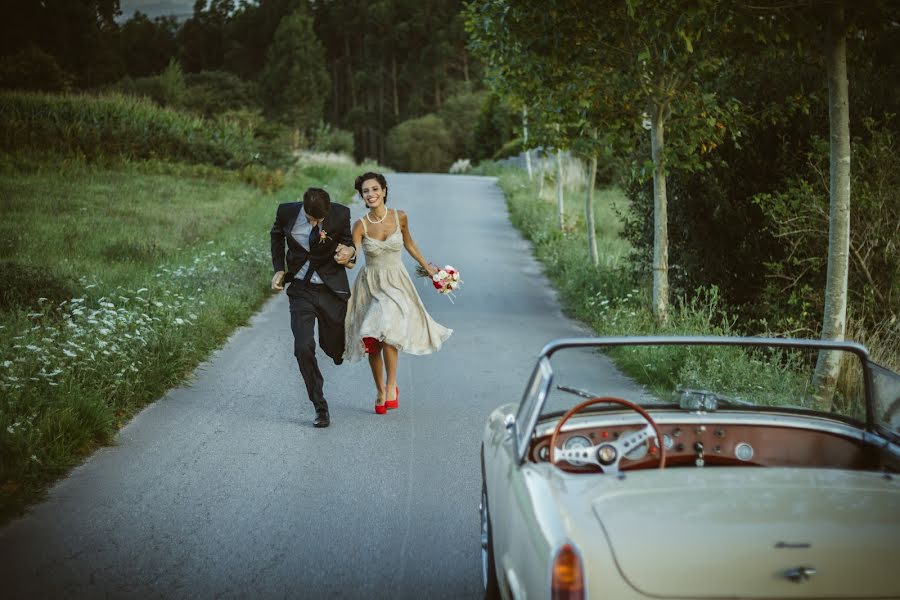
{"x": 385, "y": 305}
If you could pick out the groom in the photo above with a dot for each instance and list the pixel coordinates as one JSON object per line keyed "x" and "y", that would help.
{"x": 319, "y": 252}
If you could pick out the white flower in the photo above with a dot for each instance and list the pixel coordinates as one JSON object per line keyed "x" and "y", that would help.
{"x": 69, "y": 353}
{"x": 7, "y": 363}
{"x": 179, "y": 321}
{"x": 33, "y": 348}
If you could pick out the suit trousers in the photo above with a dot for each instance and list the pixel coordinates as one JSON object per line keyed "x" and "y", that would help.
{"x": 311, "y": 303}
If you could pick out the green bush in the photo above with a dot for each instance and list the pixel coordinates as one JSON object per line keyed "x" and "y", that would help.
{"x": 214, "y": 92}
{"x": 332, "y": 139}
{"x": 119, "y": 126}
{"x": 420, "y": 145}
{"x": 460, "y": 114}
{"x": 33, "y": 69}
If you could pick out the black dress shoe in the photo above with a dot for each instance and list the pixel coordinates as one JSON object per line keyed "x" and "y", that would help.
{"x": 322, "y": 420}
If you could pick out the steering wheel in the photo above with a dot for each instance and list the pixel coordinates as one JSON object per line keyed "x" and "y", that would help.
{"x": 608, "y": 453}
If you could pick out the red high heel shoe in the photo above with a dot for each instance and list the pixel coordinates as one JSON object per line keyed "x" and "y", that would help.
{"x": 395, "y": 403}
{"x": 381, "y": 409}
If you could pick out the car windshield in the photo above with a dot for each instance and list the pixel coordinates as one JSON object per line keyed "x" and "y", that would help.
{"x": 713, "y": 377}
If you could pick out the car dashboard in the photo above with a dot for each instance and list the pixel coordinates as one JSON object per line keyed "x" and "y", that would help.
{"x": 719, "y": 439}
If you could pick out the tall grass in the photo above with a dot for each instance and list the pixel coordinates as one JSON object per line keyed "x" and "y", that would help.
{"x": 158, "y": 270}
{"x": 119, "y": 126}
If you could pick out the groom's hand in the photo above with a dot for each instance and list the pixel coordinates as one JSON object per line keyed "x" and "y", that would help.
{"x": 343, "y": 254}
{"x": 278, "y": 281}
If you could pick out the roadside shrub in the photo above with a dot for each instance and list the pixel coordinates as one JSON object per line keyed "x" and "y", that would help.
{"x": 420, "y": 145}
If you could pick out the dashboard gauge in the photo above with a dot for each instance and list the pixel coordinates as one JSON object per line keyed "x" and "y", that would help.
{"x": 544, "y": 453}
{"x": 638, "y": 452}
{"x": 574, "y": 443}
{"x": 668, "y": 441}
{"x": 743, "y": 451}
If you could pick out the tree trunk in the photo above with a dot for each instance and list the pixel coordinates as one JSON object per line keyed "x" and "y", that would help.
{"x": 380, "y": 132}
{"x": 394, "y": 84}
{"x": 349, "y": 65}
{"x": 336, "y": 98}
{"x": 465, "y": 66}
{"x": 525, "y": 143}
{"x": 560, "y": 196}
{"x": 660, "y": 219}
{"x": 589, "y": 224}
{"x": 437, "y": 88}
{"x": 834, "y": 320}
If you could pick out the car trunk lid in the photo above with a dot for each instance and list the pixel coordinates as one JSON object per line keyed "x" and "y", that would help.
{"x": 755, "y": 533}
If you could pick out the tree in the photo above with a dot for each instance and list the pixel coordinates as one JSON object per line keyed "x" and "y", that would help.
{"x": 420, "y": 145}
{"x": 148, "y": 46}
{"x": 604, "y": 66}
{"x": 80, "y": 35}
{"x": 202, "y": 37}
{"x": 294, "y": 83}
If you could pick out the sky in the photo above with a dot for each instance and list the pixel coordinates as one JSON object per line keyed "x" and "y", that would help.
{"x": 155, "y": 8}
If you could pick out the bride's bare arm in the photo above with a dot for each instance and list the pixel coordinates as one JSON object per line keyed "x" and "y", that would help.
{"x": 410, "y": 245}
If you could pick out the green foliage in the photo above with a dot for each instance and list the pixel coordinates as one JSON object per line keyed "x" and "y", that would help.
{"x": 420, "y": 145}
{"x": 119, "y": 126}
{"x": 294, "y": 83}
{"x": 210, "y": 93}
{"x": 493, "y": 129}
{"x": 81, "y": 37}
{"x": 460, "y": 114}
{"x": 33, "y": 69}
{"x": 148, "y": 46}
{"x": 172, "y": 85}
{"x": 797, "y": 218}
{"x": 331, "y": 139}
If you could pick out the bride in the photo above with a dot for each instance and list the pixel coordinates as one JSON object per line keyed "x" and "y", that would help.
{"x": 385, "y": 315}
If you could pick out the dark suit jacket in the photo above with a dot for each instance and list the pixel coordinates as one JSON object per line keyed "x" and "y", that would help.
{"x": 321, "y": 254}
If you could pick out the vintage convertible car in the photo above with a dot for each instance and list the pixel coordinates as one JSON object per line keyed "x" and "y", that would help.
{"x": 695, "y": 468}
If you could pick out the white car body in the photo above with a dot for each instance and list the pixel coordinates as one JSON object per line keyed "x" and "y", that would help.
{"x": 778, "y": 530}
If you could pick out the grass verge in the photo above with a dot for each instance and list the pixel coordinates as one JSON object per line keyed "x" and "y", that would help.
{"x": 118, "y": 281}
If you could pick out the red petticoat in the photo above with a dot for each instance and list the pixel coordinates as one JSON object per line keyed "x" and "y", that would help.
{"x": 372, "y": 345}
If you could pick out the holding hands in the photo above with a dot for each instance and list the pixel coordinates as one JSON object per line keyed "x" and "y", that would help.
{"x": 345, "y": 255}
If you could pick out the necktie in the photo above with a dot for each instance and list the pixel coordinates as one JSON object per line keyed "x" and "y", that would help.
{"x": 313, "y": 238}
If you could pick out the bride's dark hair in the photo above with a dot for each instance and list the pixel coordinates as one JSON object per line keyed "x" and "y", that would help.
{"x": 370, "y": 175}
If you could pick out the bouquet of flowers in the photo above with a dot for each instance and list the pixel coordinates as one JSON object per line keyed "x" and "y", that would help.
{"x": 445, "y": 281}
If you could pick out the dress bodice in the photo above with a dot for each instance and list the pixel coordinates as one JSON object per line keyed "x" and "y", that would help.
{"x": 383, "y": 253}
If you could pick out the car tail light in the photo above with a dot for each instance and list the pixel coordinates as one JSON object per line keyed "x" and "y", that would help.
{"x": 568, "y": 575}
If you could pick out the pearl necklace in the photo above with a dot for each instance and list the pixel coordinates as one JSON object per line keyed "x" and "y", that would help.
{"x": 369, "y": 218}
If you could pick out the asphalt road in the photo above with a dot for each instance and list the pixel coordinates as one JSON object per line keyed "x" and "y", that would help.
{"x": 223, "y": 488}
